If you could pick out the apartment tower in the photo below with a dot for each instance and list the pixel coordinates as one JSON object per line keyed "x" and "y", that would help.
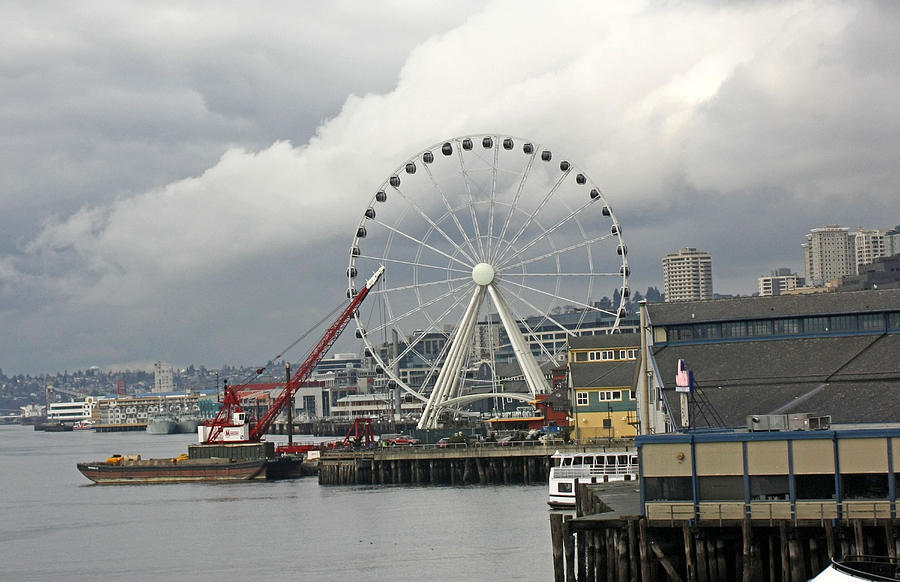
{"x": 828, "y": 253}
{"x": 163, "y": 377}
{"x": 687, "y": 275}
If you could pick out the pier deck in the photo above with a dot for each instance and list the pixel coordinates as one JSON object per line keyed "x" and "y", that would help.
{"x": 481, "y": 464}
{"x": 608, "y": 540}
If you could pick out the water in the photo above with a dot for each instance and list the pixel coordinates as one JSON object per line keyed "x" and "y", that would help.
{"x": 55, "y": 524}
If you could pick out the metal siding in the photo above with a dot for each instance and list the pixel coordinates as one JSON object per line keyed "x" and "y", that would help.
{"x": 719, "y": 459}
{"x": 813, "y": 457}
{"x": 895, "y": 450}
{"x": 863, "y": 455}
{"x": 767, "y": 458}
{"x": 662, "y": 460}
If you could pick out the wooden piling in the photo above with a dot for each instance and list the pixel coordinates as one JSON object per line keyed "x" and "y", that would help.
{"x": 632, "y": 552}
{"x": 690, "y": 569}
{"x": 557, "y": 541}
{"x": 645, "y": 558}
{"x": 671, "y": 572}
{"x": 569, "y": 550}
{"x": 590, "y": 565}
{"x": 785, "y": 565}
{"x": 745, "y": 554}
{"x": 621, "y": 555}
{"x": 798, "y": 569}
{"x": 702, "y": 562}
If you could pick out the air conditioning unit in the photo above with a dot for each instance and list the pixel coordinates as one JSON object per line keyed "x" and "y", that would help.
{"x": 796, "y": 421}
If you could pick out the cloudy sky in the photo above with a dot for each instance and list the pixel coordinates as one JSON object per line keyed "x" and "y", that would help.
{"x": 181, "y": 181}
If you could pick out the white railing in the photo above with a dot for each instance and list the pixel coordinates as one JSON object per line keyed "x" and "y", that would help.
{"x": 576, "y": 472}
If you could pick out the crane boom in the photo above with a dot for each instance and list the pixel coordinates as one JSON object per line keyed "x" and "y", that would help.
{"x": 301, "y": 375}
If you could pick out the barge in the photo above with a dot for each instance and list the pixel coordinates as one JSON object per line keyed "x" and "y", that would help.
{"x": 216, "y": 462}
{"x": 119, "y": 470}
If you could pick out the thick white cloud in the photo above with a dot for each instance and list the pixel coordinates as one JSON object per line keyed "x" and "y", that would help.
{"x": 730, "y": 128}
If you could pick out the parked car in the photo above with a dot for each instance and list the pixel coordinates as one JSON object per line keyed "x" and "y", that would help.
{"x": 391, "y": 440}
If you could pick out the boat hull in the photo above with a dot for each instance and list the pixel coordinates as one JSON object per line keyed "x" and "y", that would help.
{"x": 187, "y": 425}
{"x": 161, "y": 426}
{"x": 562, "y": 491}
{"x": 172, "y": 471}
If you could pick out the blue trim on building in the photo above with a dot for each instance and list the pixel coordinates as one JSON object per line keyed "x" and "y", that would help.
{"x": 838, "y": 496}
{"x": 892, "y": 491}
{"x": 792, "y": 486}
{"x": 763, "y": 338}
{"x": 695, "y": 482}
{"x": 733, "y": 436}
{"x": 746, "y": 475}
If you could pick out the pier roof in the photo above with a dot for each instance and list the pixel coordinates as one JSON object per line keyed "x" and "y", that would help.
{"x": 743, "y": 308}
{"x": 851, "y": 378}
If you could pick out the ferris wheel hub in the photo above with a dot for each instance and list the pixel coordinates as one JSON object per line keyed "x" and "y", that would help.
{"x": 483, "y": 274}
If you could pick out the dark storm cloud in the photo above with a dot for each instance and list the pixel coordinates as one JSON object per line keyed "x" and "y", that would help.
{"x": 181, "y": 182}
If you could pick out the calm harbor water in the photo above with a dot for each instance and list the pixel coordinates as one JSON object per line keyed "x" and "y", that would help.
{"x": 55, "y": 525}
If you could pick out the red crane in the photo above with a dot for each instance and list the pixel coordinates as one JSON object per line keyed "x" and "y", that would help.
{"x": 230, "y": 424}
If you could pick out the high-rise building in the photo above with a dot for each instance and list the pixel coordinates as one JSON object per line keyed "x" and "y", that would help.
{"x": 828, "y": 254}
{"x": 870, "y": 245}
{"x": 163, "y": 377}
{"x": 892, "y": 242}
{"x": 779, "y": 281}
{"x": 687, "y": 275}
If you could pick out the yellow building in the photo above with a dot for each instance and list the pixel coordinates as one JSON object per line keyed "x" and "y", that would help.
{"x": 602, "y": 369}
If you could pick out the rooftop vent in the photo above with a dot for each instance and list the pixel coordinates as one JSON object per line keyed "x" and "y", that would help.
{"x": 797, "y": 421}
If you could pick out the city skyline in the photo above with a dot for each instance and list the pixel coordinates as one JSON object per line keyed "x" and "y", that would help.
{"x": 181, "y": 183}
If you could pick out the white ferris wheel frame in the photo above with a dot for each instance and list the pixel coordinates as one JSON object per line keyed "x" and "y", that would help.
{"x": 476, "y": 262}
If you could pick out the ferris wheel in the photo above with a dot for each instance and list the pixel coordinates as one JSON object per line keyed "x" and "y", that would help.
{"x": 496, "y": 250}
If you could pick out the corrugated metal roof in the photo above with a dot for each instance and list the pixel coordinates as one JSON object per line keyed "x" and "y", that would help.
{"x": 602, "y": 374}
{"x": 778, "y": 306}
{"x": 852, "y": 378}
{"x": 607, "y": 340}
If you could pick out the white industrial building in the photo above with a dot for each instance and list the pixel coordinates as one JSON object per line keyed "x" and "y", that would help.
{"x": 71, "y": 411}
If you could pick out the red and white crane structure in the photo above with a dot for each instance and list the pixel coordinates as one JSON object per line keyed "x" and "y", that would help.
{"x": 230, "y": 424}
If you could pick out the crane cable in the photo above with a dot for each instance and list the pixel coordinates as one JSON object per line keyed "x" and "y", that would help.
{"x": 315, "y": 327}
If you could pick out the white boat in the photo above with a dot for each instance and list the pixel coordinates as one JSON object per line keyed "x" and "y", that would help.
{"x": 860, "y": 569}
{"x": 83, "y": 425}
{"x": 570, "y": 469}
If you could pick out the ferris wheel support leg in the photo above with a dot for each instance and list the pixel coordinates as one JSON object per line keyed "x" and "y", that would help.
{"x": 534, "y": 378}
{"x": 450, "y": 372}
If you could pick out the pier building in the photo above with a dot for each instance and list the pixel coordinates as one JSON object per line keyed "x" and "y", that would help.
{"x": 828, "y": 353}
{"x": 738, "y": 505}
{"x": 836, "y": 473}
